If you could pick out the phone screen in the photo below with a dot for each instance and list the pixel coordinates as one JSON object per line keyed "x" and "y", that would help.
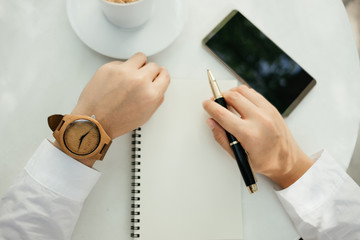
{"x": 259, "y": 62}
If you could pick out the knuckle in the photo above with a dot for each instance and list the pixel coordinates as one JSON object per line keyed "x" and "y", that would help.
{"x": 143, "y": 56}
{"x": 219, "y": 114}
{"x": 116, "y": 62}
{"x": 151, "y": 95}
{"x": 113, "y": 67}
{"x": 153, "y": 64}
{"x": 139, "y": 77}
{"x": 233, "y": 96}
{"x": 253, "y": 91}
{"x": 244, "y": 87}
{"x": 269, "y": 110}
{"x": 164, "y": 70}
{"x": 167, "y": 78}
{"x": 274, "y": 110}
{"x": 106, "y": 66}
{"x": 164, "y": 75}
{"x": 140, "y": 54}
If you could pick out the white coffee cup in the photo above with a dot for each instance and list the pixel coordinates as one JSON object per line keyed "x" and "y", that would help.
{"x": 127, "y": 15}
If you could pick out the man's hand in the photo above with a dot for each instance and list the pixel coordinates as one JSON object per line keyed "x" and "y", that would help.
{"x": 262, "y": 132}
{"x": 124, "y": 95}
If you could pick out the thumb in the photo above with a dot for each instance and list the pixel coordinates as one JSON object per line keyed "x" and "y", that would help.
{"x": 219, "y": 135}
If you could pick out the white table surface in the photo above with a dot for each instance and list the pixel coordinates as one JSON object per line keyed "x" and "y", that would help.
{"x": 44, "y": 67}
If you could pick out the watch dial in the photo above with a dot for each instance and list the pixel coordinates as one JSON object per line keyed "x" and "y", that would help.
{"x": 81, "y": 137}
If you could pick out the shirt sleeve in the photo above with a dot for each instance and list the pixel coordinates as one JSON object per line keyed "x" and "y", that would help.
{"x": 325, "y": 202}
{"x": 46, "y": 199}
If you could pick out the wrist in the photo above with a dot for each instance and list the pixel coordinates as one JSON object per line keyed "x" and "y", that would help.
{"x": 99, "y": 117}
{"x": 80, "y": 137}
{"x": 88, "y": 162}
{"x": 295, "y": 170}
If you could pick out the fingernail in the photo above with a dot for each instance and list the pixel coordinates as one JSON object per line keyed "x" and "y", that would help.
{"x": 210, "y": 123}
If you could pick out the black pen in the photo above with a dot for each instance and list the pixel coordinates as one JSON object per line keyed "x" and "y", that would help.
{"x": 239, "y": 152}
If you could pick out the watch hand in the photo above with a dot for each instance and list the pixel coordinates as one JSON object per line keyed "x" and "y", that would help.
{"x": 82, "y": 138}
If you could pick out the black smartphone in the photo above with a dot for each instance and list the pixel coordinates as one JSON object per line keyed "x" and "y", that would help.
{"x": 259, "y": 62}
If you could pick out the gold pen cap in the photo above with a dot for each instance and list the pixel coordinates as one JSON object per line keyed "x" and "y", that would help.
{"x": 214, "y": 86}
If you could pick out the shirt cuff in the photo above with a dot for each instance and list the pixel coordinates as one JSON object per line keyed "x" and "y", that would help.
{"x": 309, "y": 192}
{"x": 60, "y": 173}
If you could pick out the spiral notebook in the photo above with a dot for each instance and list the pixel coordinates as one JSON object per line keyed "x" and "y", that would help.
{"x": 184, "y": 185}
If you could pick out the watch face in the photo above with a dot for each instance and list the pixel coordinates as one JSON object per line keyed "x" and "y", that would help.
{"x": 81, "y": 137}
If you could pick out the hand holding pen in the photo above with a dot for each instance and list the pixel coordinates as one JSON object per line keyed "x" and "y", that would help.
{"x": 262, "y": 132}
{"x": 238, "y": 151}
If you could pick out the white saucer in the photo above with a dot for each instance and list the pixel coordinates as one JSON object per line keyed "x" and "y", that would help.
{"x": 92, "y": 27}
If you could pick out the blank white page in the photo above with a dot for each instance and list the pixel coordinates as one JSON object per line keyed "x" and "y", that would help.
{"x": 190, "y": 187}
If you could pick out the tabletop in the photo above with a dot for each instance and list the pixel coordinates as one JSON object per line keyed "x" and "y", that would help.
{"x": 44, "y": 66}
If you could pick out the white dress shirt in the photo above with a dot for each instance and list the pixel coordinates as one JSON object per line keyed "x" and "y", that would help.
{"x": 325, "y": 202}
{"x": 46, "y": 199}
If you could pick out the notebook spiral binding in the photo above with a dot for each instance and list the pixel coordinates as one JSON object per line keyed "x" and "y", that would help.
{"x": 135, "y": 183}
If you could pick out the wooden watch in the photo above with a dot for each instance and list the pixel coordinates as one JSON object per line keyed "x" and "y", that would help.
{"x": 80, "y": 137}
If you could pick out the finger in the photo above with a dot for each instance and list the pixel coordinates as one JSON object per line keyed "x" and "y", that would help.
{"x": 231, "y": 109}
{"x": 136, "y": 61}
{"x": 219, "y": 135}
{"x": 252, "y": 95}
{"x": 162, "y": 81}
{"x": 151, "y": 71}
{"x": 240, "y": 103}
{"x": 228, "y": 120}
